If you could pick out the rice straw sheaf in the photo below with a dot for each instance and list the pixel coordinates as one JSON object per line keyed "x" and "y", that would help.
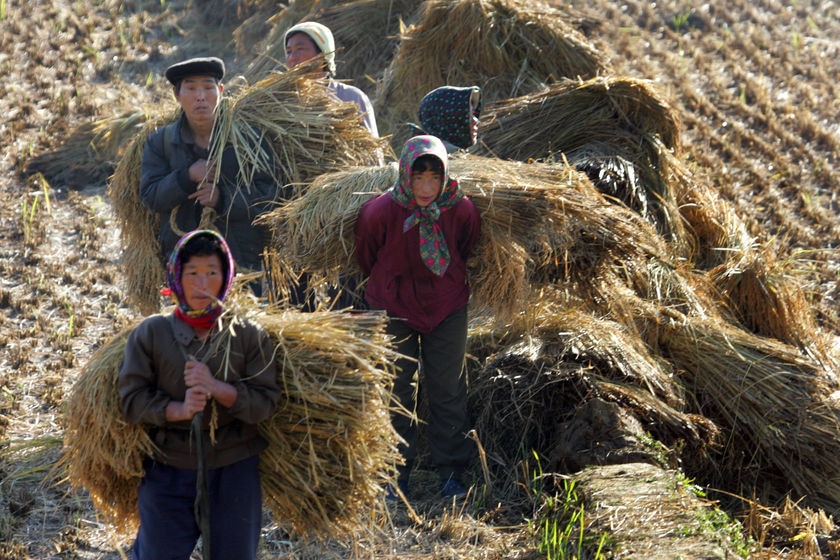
{"x": 331, "y": 443}
{"x": 310, "y": 131}
{"x": 508, "y": 48}
{"x": 539, "y": 221}
{"x": 90, "y": 153}
{"x": 768, "y": 300}
{"x": 102, "y": 452}
{"x": 139, "y": 225}
{"x": 616, "y": 129}
{"x": 777, "y": 408}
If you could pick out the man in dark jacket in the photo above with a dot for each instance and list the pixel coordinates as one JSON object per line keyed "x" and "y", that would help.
{"x": 181, "y": 185}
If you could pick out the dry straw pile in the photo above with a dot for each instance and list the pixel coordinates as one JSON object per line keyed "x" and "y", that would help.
{"x": 331, "y": 445}
{"x": 506, "y": 47}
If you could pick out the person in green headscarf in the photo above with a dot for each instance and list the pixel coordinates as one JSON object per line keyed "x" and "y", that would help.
{"x": 412, "y": 243}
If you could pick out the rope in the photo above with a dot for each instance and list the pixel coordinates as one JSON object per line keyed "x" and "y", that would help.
{"x": 208, "y": 217}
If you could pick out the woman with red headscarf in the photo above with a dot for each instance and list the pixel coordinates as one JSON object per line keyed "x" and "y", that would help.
{"x": 196, "y": 363}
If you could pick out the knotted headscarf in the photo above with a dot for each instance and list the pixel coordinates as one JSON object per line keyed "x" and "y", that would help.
{"x": 433, "y": 248}
{"x": 202, "y": 318}
{"x": 447, "y": 112}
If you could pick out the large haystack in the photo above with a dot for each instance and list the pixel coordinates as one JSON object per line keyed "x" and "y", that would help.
{"x": 507, "y": 47}
{"x": 331, "y": 444}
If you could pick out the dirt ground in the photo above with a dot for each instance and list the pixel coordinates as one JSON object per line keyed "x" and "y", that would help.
{"x": 754, "y": 83}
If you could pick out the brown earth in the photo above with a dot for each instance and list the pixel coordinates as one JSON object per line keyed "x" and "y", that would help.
{"x": 754, "y": 84}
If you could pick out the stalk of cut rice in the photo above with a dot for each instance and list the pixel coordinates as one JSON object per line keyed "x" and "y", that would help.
{"x": 331, "y": 443}
{"x": 506, "y": 47}
{"x": 102, "y": 452}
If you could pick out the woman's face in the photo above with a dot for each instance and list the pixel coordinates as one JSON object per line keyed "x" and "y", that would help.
{"x": 426, "y": 186}
{"x": 202, "y": 278}
{"x": 299, "y": 48}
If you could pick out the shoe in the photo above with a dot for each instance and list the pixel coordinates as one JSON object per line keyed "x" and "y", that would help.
{"x": 391, "y": 493}
{"x": 452, "y": 488}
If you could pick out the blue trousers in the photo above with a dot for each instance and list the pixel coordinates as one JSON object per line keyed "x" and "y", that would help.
{"x": 168, "y": 530}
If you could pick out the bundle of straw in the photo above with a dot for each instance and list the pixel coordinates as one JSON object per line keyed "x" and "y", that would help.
{"x": 618, "y": 130}
{"x": 139, "y": 225}
{"x": 506, "y": 47}
{"x": 89, "y": 154}
{"x": 331, "y": 444}
{"x": 102, "y": 452}
{"x": 538, "y": 222}
{"x": 778, "y": 409}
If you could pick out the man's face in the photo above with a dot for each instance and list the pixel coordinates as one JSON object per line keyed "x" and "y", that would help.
{"x": 198, "y": 97}
{"x": 300, "y": 48}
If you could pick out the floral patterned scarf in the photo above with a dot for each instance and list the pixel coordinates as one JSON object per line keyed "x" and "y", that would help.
{"x": 203, "y": 318}
{"x": 433, "y": 248}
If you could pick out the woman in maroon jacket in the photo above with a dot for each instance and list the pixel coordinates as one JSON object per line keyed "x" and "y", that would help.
{"x": 413, "y": 242}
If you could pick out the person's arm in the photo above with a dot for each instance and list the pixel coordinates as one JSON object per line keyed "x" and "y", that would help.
{"x": 162, "y": 186}
{"x": 257, "y": 390}
{"x": 370, "y": 234}
{"x": 141, "y": 401}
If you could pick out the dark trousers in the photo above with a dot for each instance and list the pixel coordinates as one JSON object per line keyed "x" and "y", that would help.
{"x": 440, "y": 376}
{"x": 168, "y": 530}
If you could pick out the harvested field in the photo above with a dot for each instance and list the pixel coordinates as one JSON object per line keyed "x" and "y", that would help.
{"x": 687, "y": 334}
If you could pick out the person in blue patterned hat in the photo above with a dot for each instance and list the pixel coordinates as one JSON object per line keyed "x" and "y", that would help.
{"x": 177, "y": 366}
{"x": 452, "y": 114}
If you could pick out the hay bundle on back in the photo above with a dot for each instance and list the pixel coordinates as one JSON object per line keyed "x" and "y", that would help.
{"x": 331, "y": 444}
{"x": 102, "y": 452}
{"x": 533, "y": 215}
{"x": 508, "y": 48}
{"x": 308, "y": 131}
{"x": 617, "y": 130}
{"x": 139, "y": 226}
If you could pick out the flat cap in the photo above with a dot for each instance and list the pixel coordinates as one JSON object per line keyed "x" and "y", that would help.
{"x": 205, "y": 66}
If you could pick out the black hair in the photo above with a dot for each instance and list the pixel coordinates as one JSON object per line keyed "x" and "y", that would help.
{"x": 305, "y": 34}
{"x": 204, "y": 245}
{"x": 427, "y": 162}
